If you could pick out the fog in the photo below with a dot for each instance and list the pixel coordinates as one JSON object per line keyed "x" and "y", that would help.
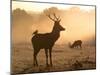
{"x": 79, "y": 24}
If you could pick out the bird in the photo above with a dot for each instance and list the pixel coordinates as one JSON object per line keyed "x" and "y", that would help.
{"x": 35, "y": 32}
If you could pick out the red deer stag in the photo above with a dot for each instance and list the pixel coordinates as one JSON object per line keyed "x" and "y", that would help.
{"x": 46, "y": 41}
{"x": 76, "y": 44}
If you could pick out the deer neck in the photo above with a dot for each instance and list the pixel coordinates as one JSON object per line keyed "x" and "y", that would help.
{"x": 70, "y": 45}
{"x": 55, "y": 34}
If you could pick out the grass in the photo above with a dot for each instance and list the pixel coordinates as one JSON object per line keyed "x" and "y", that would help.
{"x": 64, "y": 59}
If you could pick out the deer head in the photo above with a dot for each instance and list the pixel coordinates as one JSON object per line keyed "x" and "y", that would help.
{"x": 57, "y": 25}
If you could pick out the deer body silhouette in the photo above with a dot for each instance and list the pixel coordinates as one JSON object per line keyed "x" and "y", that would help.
{"x": 76, "y": 44}
{"x": 46, "y": 41}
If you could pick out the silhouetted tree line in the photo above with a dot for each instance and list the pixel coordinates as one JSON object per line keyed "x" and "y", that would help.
{"x": 21, "y": 17}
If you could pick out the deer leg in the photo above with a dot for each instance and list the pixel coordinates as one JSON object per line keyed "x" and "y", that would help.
{"x": 36, "y": 62}
{"x": 50, "y": 55}
{"x": 35, "y": 58}
{"x": 46, "y": 53}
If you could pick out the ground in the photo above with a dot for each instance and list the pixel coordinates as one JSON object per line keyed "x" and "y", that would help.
{"x": 63, "y": 57}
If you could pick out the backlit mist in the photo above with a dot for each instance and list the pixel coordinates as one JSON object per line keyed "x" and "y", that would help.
{"x": 78, "y": 22}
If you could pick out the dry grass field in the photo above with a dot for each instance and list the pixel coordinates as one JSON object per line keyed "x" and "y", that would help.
{"x": 64, "y": 59}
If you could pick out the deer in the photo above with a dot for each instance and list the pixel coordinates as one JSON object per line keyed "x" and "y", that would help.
{"x": 46, "y": 41}
{"x": 76, "y": 44}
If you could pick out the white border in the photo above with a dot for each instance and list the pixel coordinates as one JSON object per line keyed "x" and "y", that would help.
{"x": 5, "y": 38}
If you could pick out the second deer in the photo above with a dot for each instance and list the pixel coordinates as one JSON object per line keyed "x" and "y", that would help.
{"x": 76, "y": 44}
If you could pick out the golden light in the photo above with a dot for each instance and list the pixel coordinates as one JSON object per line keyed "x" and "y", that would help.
{"x": 79, "y": 21}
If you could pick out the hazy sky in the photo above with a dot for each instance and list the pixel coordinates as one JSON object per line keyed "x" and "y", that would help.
{"x": 41, "y": 6}
{"x": 79, "y": 21}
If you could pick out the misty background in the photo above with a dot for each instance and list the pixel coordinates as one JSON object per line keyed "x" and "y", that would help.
{"x": 79, "y": 24}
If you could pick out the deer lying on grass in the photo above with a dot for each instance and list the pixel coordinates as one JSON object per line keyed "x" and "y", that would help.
{"x": 46, "y": 41}
{"x": 76, "y": 44}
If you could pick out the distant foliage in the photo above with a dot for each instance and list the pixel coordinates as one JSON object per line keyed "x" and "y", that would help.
{"x": 21, "y": 17}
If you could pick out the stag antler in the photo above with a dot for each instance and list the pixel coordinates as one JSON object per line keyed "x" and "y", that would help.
{"x": 51, "y": 18}
{"x": 56, "y": 16}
